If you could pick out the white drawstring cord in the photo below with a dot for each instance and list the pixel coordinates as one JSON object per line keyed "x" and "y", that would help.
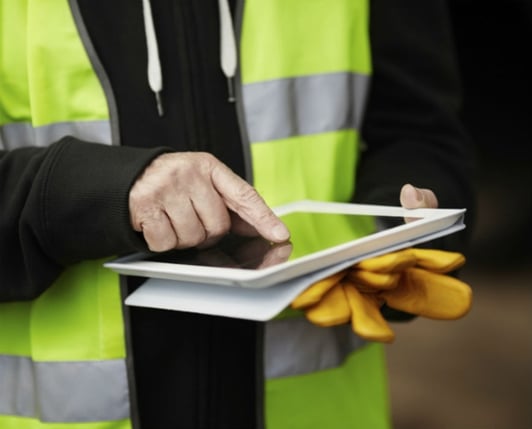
{"x": 155, "y": 78}
{"x": 228, "y": 53}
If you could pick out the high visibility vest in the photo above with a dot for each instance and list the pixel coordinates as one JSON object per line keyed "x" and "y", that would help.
{"x": 304, "y": 74}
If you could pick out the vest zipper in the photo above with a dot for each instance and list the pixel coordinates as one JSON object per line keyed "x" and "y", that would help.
{"x": 189, "y": 94}
{"x": 190, "y": 89}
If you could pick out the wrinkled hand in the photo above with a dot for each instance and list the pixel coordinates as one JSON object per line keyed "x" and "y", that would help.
{"x": 192, "y": 199}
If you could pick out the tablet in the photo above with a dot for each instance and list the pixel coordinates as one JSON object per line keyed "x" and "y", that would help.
{"x": 323, "y": 234}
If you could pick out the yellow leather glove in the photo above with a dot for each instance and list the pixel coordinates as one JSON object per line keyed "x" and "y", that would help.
{"x": 411, "y": 280}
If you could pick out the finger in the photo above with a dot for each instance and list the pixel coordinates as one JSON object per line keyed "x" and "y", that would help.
{"x": 212, "y": 213}
{"x": 158, "y": 232}
{"x": 277, "y": 255}
{"x": 188, "y": 228}
{"x": 244, "y": 200}
{"x": 414, "y": 198}
{"x": 240, "y": 227}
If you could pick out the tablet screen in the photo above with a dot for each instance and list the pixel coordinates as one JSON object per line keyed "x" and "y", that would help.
{"x": 310, "y": 232}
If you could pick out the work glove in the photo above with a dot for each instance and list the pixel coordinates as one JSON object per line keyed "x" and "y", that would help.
{"x": 413, "y": 280}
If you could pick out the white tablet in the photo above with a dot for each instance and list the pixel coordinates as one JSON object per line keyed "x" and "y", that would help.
{"x": 323, "y": 234}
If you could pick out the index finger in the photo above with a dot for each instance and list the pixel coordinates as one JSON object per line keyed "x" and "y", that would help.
{"x": 243, "y": 199}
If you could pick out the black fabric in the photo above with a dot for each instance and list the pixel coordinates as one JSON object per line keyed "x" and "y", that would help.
{"x": 411, "y": 126}
{"x": 53, "y": 211}
{"x": 196, "y": 371}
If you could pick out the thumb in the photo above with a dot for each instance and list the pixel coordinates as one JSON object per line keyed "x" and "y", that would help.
{"x": 415, "y": 198}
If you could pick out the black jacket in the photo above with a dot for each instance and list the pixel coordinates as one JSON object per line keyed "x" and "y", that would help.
{"x": 69, "y": 202}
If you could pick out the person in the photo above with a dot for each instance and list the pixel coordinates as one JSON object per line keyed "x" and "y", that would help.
{"x": 135, "y": 126}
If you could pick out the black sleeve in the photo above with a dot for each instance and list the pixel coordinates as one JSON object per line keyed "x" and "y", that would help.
{"x": 63, "y": 204}
{"x": 412, "y": 132}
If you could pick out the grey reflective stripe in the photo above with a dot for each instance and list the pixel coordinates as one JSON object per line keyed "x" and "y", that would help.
{"x": 65, "y": 392}
{"x": 304, "y": 105}
{"x": 23, "y": 134}
{"x": 294, "y": 346}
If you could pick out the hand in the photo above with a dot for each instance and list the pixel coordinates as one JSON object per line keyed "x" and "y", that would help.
{"x": 415, "y": 198}
{"x": 192, "y": 199}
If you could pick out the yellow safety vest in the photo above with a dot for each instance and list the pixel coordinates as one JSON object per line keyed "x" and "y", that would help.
{"x": 304, "y": 74}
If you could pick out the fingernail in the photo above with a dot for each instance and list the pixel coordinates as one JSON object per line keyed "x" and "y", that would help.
{"x": 280, "y": 233}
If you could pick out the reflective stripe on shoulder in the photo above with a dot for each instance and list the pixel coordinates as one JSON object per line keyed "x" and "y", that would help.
{"x": 294, "y": 346}
{"x": 314, "y": 104}
{"x": 64, "y": 392}
{"x": 23, "y": 134}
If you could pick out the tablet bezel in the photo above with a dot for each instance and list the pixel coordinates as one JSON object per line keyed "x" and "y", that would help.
{"x": 429, "y": 222}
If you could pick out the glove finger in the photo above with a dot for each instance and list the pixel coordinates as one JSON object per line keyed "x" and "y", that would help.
{"x": 366, "y": 317}
{"x": 431, "y": 295}
{"x": 439, "y": 261}
{"x": 333, "y": 309}
{"x": 315, "y": 292}
{"x": 390, "y": 262}
{"x": 375, "y": 281}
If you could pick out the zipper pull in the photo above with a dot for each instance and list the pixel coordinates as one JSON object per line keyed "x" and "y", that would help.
{"x": 230, "y": 90}
{"x": 159, "y": 101}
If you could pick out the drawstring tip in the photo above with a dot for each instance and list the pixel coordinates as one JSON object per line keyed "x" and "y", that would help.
{"x": 230, "y": 90}
{"x": 159, "y": 102}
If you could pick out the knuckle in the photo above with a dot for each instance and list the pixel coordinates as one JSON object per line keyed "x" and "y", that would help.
{"x": 192, "y": 239}
{"x": 157, "y": 240}
{"x": 147, "y": 215}
{"x": 248, "y": 195}
{"x": 219, "y": 229}
{"x": 206, "y": 157}
{"x": 156, "y": 246}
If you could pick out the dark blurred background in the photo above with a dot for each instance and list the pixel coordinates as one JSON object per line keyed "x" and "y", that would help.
{"x": 476, "y": 373}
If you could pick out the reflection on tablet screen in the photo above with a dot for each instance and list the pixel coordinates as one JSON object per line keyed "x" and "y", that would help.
{"x": 310, "y": 232}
